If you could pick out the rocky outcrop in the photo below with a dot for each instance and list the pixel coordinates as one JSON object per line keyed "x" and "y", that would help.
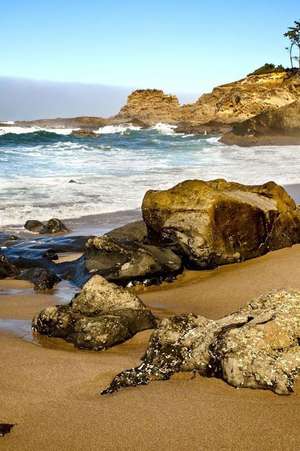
{"x": 218, "y": 222}
{"x": 240, "y": 100}
{"x": 82, "y": 122}
{"x": 150, "y": 106}
{"x": 274, "y": 127}
{"x": 52, "y": 226}
{"x": 100, "y": 316}
{"x": 256, "y": 347}
{"x": 216, "y": 111}
{"x": 125, "y": 261}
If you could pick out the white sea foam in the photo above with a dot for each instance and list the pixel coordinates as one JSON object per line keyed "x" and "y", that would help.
{"x": 20, "y": 130}
{"x": 112, "y": 129}
{"x": 113, "y": 174}
{"x": 213, "y": 140}
{"x": 165, "y": 129}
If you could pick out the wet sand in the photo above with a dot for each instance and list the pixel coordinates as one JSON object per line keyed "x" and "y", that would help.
{"x": 51, "y": 391}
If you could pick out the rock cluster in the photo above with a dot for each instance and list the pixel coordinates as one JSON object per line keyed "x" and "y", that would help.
{"x": 100, "y": 316}
{"x": 218, "y": 222}
{"x": 52, "y": 226}
{"x": 256, "y": 347}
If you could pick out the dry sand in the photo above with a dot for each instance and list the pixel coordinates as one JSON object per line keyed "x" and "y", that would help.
{"x": 51, "y": 391}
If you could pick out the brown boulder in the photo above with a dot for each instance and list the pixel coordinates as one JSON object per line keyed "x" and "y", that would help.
{"x": 218, "y": 222}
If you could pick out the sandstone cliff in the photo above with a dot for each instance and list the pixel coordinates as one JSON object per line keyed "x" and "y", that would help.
{"x": 226, "y": 104}
{"x": 214, "y": 112}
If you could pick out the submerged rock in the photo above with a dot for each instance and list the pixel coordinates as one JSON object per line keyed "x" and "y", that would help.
{"x": 99, "y": 317}
{"x": 218, "y": 222}
{"x": 256, "y": 347}
{"x": 125, "y": 261}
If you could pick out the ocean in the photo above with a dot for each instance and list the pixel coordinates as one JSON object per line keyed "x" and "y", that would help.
{"x": 49, "y": 173}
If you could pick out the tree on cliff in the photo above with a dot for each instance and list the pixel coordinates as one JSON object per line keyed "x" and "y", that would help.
{"x": 293, "y": 34}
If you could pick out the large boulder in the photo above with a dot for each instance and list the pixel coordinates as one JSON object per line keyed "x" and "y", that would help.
{"x": 274, "y": 127}
{"x": 256, "y": 347}
{"x": 218, "y": 222}
{"x": 125, "y": 261}
{"x": 100, "y": 316}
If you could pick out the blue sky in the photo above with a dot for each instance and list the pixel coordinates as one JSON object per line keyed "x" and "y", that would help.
{"x": 180, "y": 46}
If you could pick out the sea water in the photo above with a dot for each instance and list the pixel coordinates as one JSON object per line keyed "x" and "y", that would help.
{"x": 112, "y": 172}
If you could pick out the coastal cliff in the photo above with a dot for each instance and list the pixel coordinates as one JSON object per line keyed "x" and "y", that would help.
{"x": 226, "y": 104}
{"x": 216, "y": 112}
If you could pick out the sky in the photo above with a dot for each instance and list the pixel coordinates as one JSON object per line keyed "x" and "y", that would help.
{"x": 180, "y": 46}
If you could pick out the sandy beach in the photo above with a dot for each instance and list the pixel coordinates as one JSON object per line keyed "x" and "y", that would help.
{"x": 51, "y": 391}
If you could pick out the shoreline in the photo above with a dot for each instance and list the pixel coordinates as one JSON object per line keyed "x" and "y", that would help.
{"x": 101, "y": 223}
{"x": 63, "y": 384}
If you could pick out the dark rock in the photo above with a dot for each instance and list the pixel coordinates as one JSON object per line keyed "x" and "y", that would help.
{"x": 209, "y": 128}
{"x": 100, "y": 316}
{"x": 5, "y": 428}
{"x": 134, "y": 231}
{"x": 34, "y": 226}
{"x": 50, "y": 254}
{"x": 42, "y": 279}
{"x": 218, "y": 222}
{"x": 7, "y": 269}
{"x": 130, "y": 261}
{"x": 51, "y": 227}
{"x": 54, "y": 226}
{"x": 256, "y": 347}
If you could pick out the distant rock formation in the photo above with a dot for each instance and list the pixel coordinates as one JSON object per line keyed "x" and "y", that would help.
{"x": 151, "y": 106}
{"x": 274, "y": 127}
{"x": 215, "y": 112}
{"x": 226, "y": 104}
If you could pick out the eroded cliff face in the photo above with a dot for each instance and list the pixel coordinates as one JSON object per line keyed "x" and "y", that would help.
{"x": 226, "y": 104}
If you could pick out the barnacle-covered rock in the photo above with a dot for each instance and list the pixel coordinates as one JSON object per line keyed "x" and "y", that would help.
{"x": 100, "y": 316}
{"x": 256, "y": 347}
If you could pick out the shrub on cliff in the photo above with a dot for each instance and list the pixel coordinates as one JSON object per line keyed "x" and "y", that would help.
{"x": 268, "y": 68}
